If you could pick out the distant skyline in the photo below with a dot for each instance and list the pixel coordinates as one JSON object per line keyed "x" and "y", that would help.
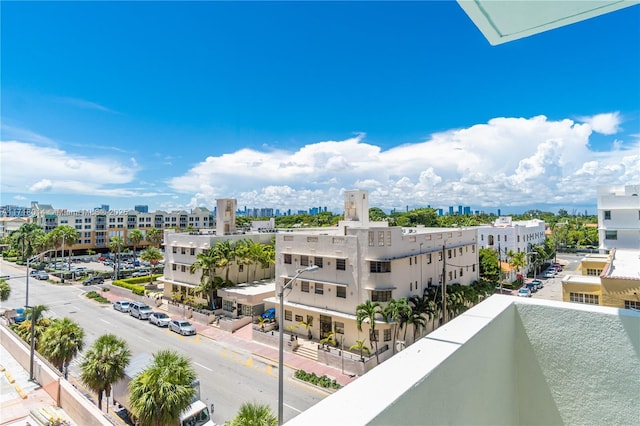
{"x": 288, "y": 104}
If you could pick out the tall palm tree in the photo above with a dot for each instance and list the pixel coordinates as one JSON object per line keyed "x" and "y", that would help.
{"x": 115, "y": 245}
{"x": 369, "y": 312}
{"x": 69, "y": 237}
{"x": 422, "y": 308}
{"x": 5, "y": 290}
{"x": 242, "y": 251}
{"x": 394, "y": 312}
{"x": 163, "y": 390}
{"x": 62, "y": 340}
{"x": 24, "y": 237}
{"x": 154, "y": 237}
{"x": 104, "y": 364}
{"x": 153, "y": 256}
{"x": 224, "y": 254}
{"x": 254, "y": 414}
{"x": 135, "y": 236}
{"x": 205, "y": 262}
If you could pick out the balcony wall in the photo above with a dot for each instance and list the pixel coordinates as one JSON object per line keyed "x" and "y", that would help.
{"x": 506, "y": 361}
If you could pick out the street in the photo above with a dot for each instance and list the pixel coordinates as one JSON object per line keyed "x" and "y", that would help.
{"x": 228, "y": 375}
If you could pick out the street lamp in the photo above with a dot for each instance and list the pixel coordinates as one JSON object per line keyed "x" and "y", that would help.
{"x": 281, "y": 339}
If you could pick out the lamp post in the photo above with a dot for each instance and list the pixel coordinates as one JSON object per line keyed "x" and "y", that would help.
{"x": 281, "y": 339}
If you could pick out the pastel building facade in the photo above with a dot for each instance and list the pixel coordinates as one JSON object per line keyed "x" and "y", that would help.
{"x": 360, "y": 260}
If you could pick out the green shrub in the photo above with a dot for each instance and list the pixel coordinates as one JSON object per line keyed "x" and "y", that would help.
{"x": 126, "y": 284}
{"x": 95, "y": 296}
{"x": 322, "y": 381}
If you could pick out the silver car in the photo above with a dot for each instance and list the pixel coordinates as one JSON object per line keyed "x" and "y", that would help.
{"x": 121, "y": 305}
{"x": 182, "y": 327}
{"x": 160, "y": 319}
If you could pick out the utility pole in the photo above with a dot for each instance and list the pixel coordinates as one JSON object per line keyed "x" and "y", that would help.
{"x": 444, "y": 284}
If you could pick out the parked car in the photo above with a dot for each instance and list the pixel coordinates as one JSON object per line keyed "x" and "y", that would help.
{"x": 269, "y": 313}
{"x": 41, "y": 275}
{"x": 160, "y": 319}
{"x": 524, "y": 292}
{"x": 531, "y": 287}
{"x": 34, "y": 272}
{"x": 182, "y": 327}
{"x": 538, "y": 284}
{"x": 20, "y": 315}
{"x": 140, "y": 310}
{"x": 121, "y": 305}
{"x": 550, "y": 274}
{"x": 93, "y": 280}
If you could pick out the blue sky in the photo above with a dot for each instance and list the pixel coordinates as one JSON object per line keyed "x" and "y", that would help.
{"x": 288, "y": 104}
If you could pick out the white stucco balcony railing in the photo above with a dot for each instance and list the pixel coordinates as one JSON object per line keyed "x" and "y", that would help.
{"x": 506, "y": 361}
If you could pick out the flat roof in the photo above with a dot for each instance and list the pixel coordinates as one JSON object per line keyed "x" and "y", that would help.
{"x": 252, "y": 289}
{"x": 625, "y": 264}
{"x": 582, "y": 279}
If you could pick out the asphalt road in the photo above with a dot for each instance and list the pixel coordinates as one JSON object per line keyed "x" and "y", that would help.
{"x": 229, "y": 376}
{"x": 552, "y": 289}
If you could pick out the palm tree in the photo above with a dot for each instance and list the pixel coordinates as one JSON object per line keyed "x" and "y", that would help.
{"x": 69, "y": 237}
{"x": 422, "y": 310}
{"x": 224, "y": 255}
{"x": 62, "y": 340}
{"x": 40, "y": 325}
{"x": 242, "y": 250}
{"x": 394, "y": 312}
{"x": 153, "y": 256}
{"x": 154, "y": 237}
{"x": 254, "y": 414}
{"x": 368, "y": 312}
{"x": 115, "y": 245}
{"x": 5, "y": 290}
{"x": 206, "y": 262}
{"x": 104, "y": 364}
{"x": 163, "y": 390}
{"x": 360, "y": 346}
{"x": 24, "y": 237}
{"x": 135, "y": 236}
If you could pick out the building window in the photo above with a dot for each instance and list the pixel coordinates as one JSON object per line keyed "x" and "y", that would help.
{"x": 594, "y": 272}
{"x": 341, "y": 292}
{"x": 379, "y": 267}
{"x": 175, "y": 250}
{"x": 183, "y": 250}
{"x": 461, "y": 272}
{"x": 460, "y": 251}
{"x": 374, "y": 335}
{"x": 317, "y": 261}
{"x": 371, "y": 239}
{"x": 449, "y": 254}
{"x": 173, "y": 266}
{"x": 473, "y": 267}
{"x": 304, "y": 286}
{"x": 610, "y": 235}
{"x": 439, "y": 256}
{"x": 241, "y": 268}
{"x": 338, "y": 327}
{"x": 429, "y": 258}
{"x": 341, "y": 264}
{"x": 632, "y": 304}
{"x": 227, "y": 305}
{"x": 380, "y": 238}
{"x": 387, "y": 334}
{"x": 589, "y": 299}
{"x": 287, "y": 259}
{"x": 607, "y": 215}
{"x": 319, "y": 288}
{"x": 304, "y": 260}
{"x": 388, "y": 238}
{"x": 429, "y": 281}
{"x": 287, "y": 315}
{"x": 299, "y": 318}
{"x": 183, "y": 268}
{"x": 380, "y": 295}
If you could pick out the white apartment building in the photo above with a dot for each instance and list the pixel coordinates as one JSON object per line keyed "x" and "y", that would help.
{"x": 361, "y": 260}
{"x": 618, "y": 217}
{"x": 97, "y": 227}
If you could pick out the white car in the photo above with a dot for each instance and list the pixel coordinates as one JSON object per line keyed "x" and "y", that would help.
{"x": 182, "y": 327}
{"x": 121, "y": 305}
{"x": 160, "y": 319}
{"x": 550, "y": 274}
{"x": 524, "y": 292}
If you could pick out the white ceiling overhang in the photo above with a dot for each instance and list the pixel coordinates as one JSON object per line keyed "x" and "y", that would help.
{"x": 501, "y": 21}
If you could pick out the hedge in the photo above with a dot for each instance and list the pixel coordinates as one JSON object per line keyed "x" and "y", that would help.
{"x": 322, "y": 381}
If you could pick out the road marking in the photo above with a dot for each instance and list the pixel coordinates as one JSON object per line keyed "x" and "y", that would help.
{"x": 293, "y": 408}
{"x": 104, "y": 320}
{"x": 200, "y": 365}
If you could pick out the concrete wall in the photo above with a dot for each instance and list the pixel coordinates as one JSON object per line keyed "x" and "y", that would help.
{"x": 79, "y": 409}
{"x": 506, "y": 361}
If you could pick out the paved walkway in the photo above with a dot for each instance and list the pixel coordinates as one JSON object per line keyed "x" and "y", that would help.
{"x": 18, "y": 395}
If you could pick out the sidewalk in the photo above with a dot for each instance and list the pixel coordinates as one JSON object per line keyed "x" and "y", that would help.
{"x": 242, "y": 339}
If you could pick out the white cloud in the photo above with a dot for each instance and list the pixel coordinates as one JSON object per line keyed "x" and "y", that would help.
{"x": 505, "y": 162}
{"x": 607, "y": 124}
